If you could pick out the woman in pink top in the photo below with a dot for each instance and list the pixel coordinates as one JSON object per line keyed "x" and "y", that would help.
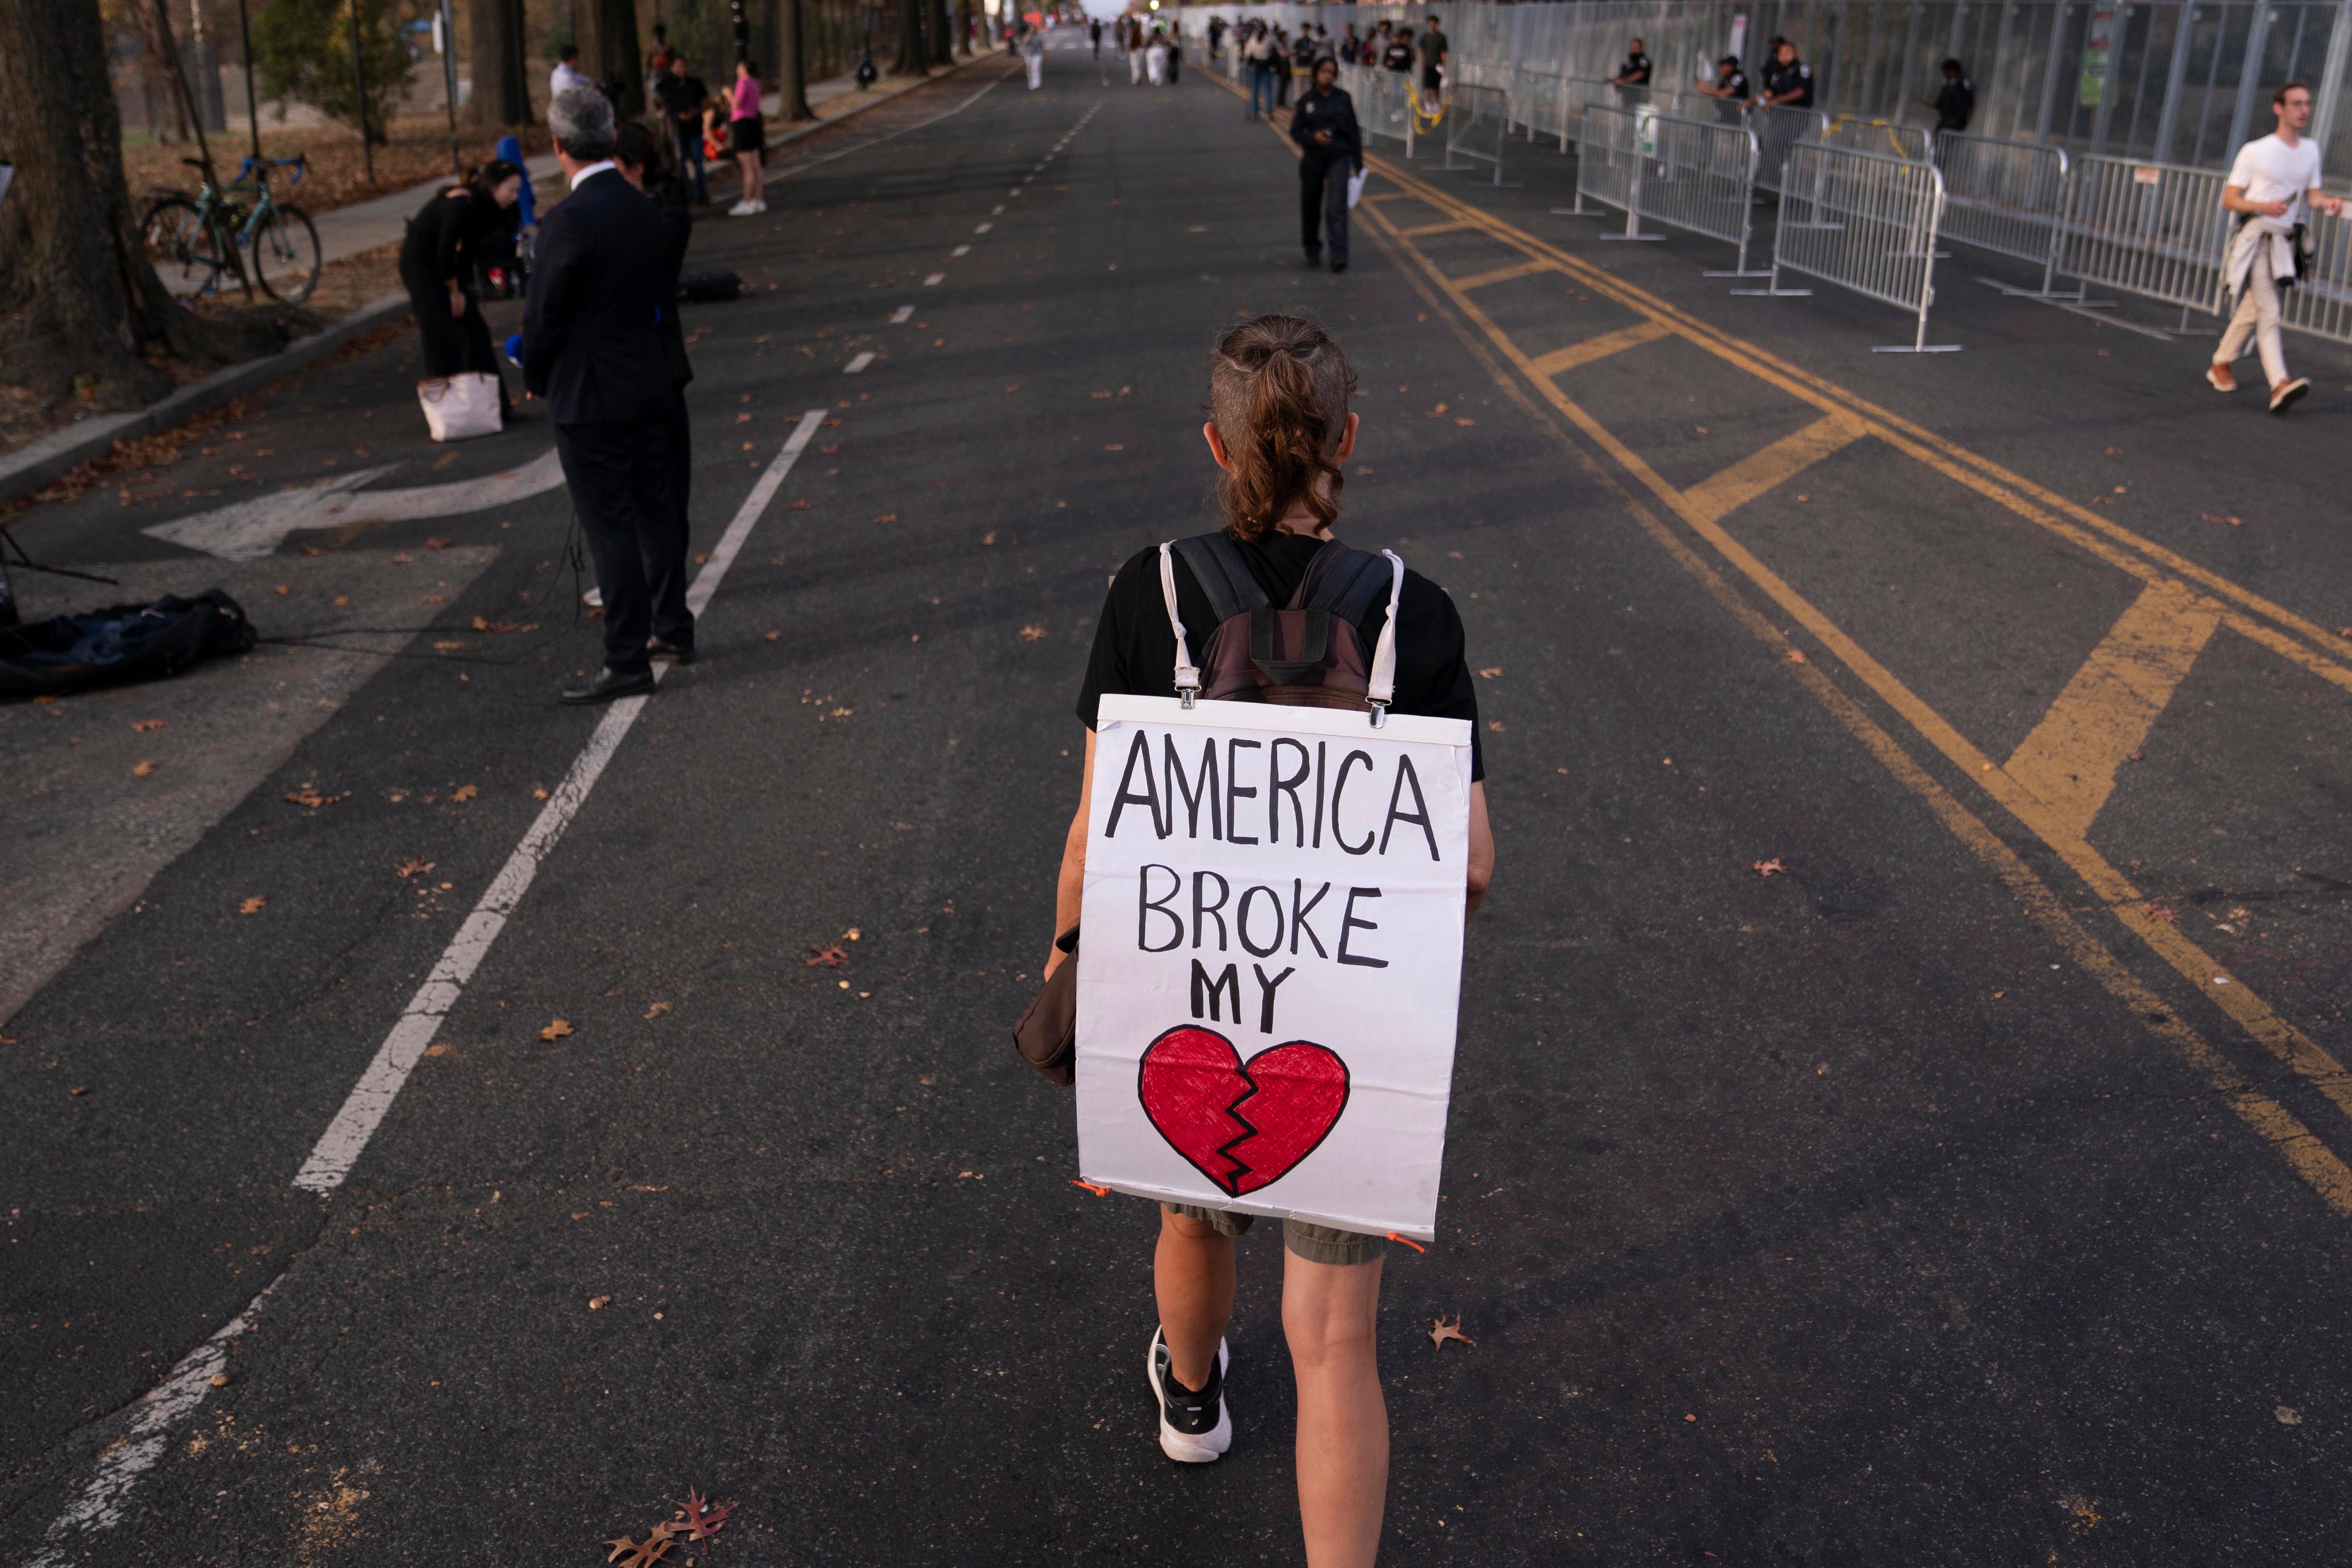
{"x": 748, "y": 135}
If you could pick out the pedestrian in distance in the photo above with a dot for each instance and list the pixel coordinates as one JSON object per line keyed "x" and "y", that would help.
{"x": 1635, "y": 71}
{"x": 1788, "y": 80}
{"x": 1280, "y": 431}
{"x": 1956, "y": 100}
{"x": 2274, "y": 183}
{"x": 1093, "y": 35}
{"x": 682, "y": 97}
{"x": 567, "y": 76}
{"x": 440, "y": 259}
{"x": 1330, "y": 151}
{"x": 1350, "y": 46}
{"x": 657, "y": 61}
{"x": 1175, "y": 55}
{"x": 1288, "y": 64}
{"x": 1435, "y": 57}
{"x": 1032, "y": 56}
{"x": 637, "y": 154}
{"x": 1258, "y": 53}
{"x": 1155, "y": 59}
{"x": 747, "y": 138}
{"x": 1398, "y": 55}
{"x": 591, "y": 347}
{"x": 1135, "y": 46}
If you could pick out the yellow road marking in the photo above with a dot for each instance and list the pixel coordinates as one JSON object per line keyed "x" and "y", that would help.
{"x": 1760, "y": 471}
{"x": 2125, "y": 901}
{"x": 2113, "y": 700}
{"x": 1599, "y": 347}
{"x": 2320, "y": 651}
{"x": 1451, "y": 226}
{"x": 1503, "y": 274}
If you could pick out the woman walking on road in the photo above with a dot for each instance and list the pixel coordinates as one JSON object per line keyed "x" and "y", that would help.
{"x": 1280, "y": 433}
{"x": 438, "y": 266}
{"x": 1331, "y": 150}
{"x": 747, "y": 138}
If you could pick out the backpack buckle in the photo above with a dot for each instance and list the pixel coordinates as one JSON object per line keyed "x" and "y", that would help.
{"x": 1380, "y": 712}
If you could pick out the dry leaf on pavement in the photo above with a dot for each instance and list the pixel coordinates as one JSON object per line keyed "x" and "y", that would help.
{"x": 656, "y": 1010}
{"x": 253, "y": 905}
{"x": 145, "y": 768}
{"x": 555, "y": 1031}
{"x": 309, "y": 796}
{"x": 2233, "y": 522}
{"x": 1441, "y": 1331}
{"x": 2288, "y": 1415}
{"x": 831, "y": 957}
{"x": 436, "y": 544}
{"x": 641, "y": 1553}
{"x": 412, "y": 867}
{"x": 1797, "y": 656}
{"x": 1771, "y": 868}
{"x": 697, "y": 1520}
{"x": 1033, "y": 634}
{"x": 886, "y": 517}
{"x": 144, "y": 724}
{"x": 598, "y": 1303}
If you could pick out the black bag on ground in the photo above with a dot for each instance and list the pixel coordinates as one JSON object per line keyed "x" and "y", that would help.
{"x": 120, "y": 643}
{"x": 710, "y": 288}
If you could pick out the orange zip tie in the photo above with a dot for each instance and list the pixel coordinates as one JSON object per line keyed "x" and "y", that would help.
{"x": 1098, "y": 1191}
{"x": 1414, "y": 1245}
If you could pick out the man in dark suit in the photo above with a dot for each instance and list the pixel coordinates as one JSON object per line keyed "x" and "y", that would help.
{"x": 593, "y": 348}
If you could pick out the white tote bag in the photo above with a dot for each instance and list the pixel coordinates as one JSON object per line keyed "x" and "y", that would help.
{"x": 460, "y": 407}
{"x": 1356, "y": 186}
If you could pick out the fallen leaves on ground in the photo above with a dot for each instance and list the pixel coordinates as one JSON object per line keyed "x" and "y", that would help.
{"x": 412, "y": 867}
{"x": 886, "y": 517}
{"x": 144, "y": 724}
{"x": 1441, "y": 1331}
{"x": 436, "y": 544}
{"x": 1458, "y": 420}
{"x": 482, "y": 626}
{"x": 539, "y": 792}
{"x": 1797, "y": 656}
{"x": 2217, "y": 518}
{"x": 309, "y": 796}
{"x": 832, "y": 956}
{"x": 1033, "y": 634}
{"x": 656, "y": 1010}
{"x": 2288, "y": 1415}
{"x": 282, "y": 590}
{"x": 989, "y": 538}
{"x": 555, "y": 1030}
{"x": 146, "y": 767}
{"x": 1490, "y": 672}
{"x": 698, "y": 1520}
{"x": 1436, "y": 411}
{"x": 1769, "y": 868}
{"x": 799, "y": 507}
{"x": 641, "y": 1553}
{"x": 253, "y": 905}
{"x": 2165, "y": 913}
{"x": 463, "y": 793}
{"x": 598, "y": 1303}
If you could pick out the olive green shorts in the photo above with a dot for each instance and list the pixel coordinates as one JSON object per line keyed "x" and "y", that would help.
{"x": 1316, "y": 1243}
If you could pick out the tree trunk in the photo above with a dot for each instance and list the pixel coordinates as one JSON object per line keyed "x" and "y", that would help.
{"x": 913, "y": 60}
{"x": 606, "y": 32}
{"x": 792, "y": 74}
{"x": 83, "y": 318}
{"x": 942, "y": 46}
{"x": 964, "y": 28}
{"x": 502, "y": 78}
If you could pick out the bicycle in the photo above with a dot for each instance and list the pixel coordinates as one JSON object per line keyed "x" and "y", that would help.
{"x": 192, "y": 240}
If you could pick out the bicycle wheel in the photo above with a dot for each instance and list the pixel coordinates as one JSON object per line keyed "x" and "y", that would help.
{"x": 286, "y": 254}
{"x": 184, "y": 250}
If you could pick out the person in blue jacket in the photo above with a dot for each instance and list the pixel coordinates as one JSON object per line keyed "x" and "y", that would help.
{"x": 1331, "y": 149}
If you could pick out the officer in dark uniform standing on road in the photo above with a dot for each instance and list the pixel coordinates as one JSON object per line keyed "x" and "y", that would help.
{"x": 1331, "y": 149}
{"x": 1788, "y": 80}
{"x": 1957, "y": 102}
{"x": 1729, "y": 87}
{"x": 1635, "y": 71}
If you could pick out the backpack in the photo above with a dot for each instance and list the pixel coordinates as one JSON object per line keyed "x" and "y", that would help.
{"x": 1308, "y": 653}
{"x": 120, "y": 643}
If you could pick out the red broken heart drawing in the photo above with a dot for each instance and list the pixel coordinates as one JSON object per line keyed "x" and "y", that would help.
{"x": 1242, "y": 1124}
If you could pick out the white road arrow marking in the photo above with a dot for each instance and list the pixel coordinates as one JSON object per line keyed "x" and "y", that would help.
{"x": 247, "y": 530}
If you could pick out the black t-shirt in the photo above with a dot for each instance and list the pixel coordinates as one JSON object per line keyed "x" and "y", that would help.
{"x": 684, "y": 98}
{"x": 1796, "y": 76}
{"x": 1635, "y": 71}
{"x": 1955, "y": 104}
{"x": 1397, "y": 56}
{"x": 1134, "y": 648}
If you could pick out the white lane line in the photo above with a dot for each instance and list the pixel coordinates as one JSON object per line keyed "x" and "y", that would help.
{"x": 339, "y": 1146}
{"x": 960, "y": 250}
{"x": 99, "y": 1505}
{"x": 983, "y": 228}
{"x": 859, "y": 363}
{"x": 935, "y": 279}
{"x": 901, "y": 314}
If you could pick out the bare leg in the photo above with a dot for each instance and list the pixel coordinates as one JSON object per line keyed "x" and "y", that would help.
{"x": 1329, "y": 1315}
{"x": 1193, "y": 1275}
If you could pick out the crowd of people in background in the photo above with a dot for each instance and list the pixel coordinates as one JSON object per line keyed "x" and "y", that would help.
{"x": 1279, "y": 63}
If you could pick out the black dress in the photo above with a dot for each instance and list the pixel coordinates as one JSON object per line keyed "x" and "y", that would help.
{"x": 444, "y": 247}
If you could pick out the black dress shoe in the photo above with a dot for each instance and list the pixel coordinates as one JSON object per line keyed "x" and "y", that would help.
{"x": 657, "y": 648}
{"x": 608, "y": 684}
{"x": 1338, "y": 267}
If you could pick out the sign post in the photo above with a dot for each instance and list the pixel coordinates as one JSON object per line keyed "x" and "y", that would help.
{"x": 1272, "y": 959}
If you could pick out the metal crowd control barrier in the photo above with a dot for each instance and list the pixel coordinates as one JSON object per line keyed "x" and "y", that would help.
{"x": 1694, "y": 174}
{"x": 2006, "y": 197}
{"x": 1382, "y": 106}
{"x": 2155, "y": 230}
{"x": 1609, "y": 166}
{"x": 1778, "y": 127}
{"x": 1884, "y": 136}
{"x": 1863, "y": 221}
{"x": 1473, "y": 117}
{"x": 1541, "y": 104}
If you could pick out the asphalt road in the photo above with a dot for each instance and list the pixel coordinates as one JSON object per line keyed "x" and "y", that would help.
{"x": 1928, "y": 1202}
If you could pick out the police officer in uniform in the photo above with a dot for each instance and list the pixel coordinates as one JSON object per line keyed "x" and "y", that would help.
{"x": 1729, "y": 87}
{"x": 1788, "y": 80}
{"x": 1957, "y": 102}
{"x": 1331, "y": 148}
{"x": 1635, "y": 71}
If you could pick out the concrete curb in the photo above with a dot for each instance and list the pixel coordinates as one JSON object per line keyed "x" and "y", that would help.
{"x": 27, "y": 469}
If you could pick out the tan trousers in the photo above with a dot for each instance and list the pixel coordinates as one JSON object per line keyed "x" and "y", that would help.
{"x": 2257, "y": 317}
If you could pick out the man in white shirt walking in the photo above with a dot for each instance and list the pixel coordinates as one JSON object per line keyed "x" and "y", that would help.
{"x": 567, "y": 75}
{"x": 2274, "y": 183}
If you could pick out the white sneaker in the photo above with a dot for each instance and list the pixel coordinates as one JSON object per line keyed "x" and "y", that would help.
{"x": 742, "y": 210}
{"x": 760, "y": 206}
{"x": 1194, "y": 1429}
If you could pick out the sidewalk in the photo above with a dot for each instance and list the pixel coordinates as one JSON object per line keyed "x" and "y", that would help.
{"x": 364, "y": 227}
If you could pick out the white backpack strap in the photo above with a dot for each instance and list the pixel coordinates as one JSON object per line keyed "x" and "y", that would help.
{"x": 1188, "y": 678}
{"x": 1381, "y": 691}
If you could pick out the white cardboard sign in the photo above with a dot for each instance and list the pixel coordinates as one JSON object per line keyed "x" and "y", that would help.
{"x": 1271, "y": 961}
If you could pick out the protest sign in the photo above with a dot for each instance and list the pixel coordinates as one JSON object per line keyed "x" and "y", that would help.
{"x": 1272, "y": 958}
